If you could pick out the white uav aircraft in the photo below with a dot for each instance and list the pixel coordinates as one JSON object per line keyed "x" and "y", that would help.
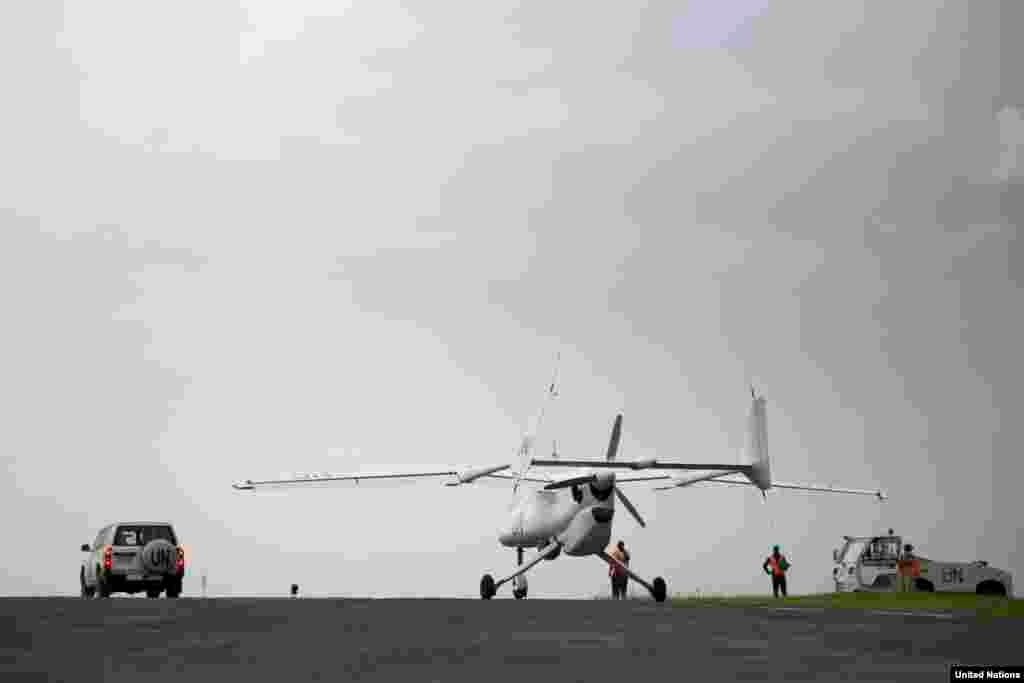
{"x": 578, "y": 521}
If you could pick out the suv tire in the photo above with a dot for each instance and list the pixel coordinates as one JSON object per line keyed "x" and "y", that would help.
{"x": 102, "y": 587}
{"x": 87, "y": 592}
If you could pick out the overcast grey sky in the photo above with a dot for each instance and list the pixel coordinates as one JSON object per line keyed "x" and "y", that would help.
{"x": 238, "y": 240}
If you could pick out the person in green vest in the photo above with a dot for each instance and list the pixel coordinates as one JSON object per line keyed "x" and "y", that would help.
{"x": 777, "y": 565}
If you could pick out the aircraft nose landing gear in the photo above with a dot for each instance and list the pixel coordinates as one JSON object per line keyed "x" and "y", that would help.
{"x": 519, "y": 582}
{"x": 487, "y": 587}
{"x": 519, "y": 587}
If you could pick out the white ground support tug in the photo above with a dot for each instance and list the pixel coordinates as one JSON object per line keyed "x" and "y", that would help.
{"x": 869, "y": 563}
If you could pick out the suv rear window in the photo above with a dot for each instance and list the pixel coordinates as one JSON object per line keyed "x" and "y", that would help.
{"x": 141, "y": 534}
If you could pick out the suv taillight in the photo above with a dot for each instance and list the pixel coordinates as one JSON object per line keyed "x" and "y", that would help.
{"x": 179, "y": 566}
{"x": 108, "y": 557}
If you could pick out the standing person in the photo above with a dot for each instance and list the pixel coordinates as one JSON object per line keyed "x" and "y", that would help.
{"x": 620, "y": 579}
{"x": 777, "y": 565}
{"x": 908, "y": 568}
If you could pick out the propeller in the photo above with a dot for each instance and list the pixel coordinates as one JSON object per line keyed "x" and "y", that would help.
{"x": 613, "y": 443}
{"x": 604, "y": 478}
{"x": 613, "y": 450}
{"x": 629, "y": 506}
{"x": 571, "y": 481}
{"x": 596, "y": 479}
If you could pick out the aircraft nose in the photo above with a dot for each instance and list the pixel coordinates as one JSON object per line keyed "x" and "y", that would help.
{"x": 509, "y": 533}
{"x": 602, "y": 515}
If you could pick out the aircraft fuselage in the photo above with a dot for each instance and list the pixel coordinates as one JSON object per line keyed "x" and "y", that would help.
{"x": 580, "y": 518}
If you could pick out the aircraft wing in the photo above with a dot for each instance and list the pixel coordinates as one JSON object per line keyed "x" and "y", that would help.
{"x": 643, "y": 477}
{"x": 651, "y": 464}
{"x": 703, "y": 473}
{"x": 459, "y": 475}
{"x": 584, "y": 477}
{"x": 726, "y": 478}
{"x": 688, "y": 480}
{"x": 536, "y": 478}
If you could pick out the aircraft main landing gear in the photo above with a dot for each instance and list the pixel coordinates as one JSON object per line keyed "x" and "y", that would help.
{"x": 519, "y": 586}
{"x": 657, "y": 588}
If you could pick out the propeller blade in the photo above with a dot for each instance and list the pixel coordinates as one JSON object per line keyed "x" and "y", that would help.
{"x": 613, "y": 443}
{"x": 572, "y": 481}
{"x": 629, "y": 506}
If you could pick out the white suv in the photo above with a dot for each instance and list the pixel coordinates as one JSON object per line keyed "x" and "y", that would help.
{"x": 130, "y": 557}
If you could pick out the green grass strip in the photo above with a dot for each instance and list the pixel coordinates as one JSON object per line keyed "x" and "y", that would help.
{"x": 981, "y": 605}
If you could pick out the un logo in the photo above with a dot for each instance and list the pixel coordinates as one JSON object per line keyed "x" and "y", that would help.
{"x": 161, "y": 557}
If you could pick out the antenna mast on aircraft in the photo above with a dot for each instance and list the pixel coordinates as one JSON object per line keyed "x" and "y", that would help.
{"x": 526, "y": 444}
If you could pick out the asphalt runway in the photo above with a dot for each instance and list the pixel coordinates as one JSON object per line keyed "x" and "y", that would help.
{"x": 283, "y": 640}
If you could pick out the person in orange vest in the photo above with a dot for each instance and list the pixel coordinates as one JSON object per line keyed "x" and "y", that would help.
{"x": 777, "y": 565}
{"x": 620, "y": 579}
{"x": 909, "y": 567}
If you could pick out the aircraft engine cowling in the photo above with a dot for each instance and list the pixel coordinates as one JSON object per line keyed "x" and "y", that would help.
{"x": 602, "y": 485}
{"x": 471, "y": 474}
{"x": 589, "y": 531}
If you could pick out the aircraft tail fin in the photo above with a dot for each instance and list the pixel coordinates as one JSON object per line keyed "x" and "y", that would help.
{"x": 760, "y": 472}
{"x": 757, "y": 444}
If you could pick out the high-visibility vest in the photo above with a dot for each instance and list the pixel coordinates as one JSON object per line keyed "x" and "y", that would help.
{"x": 774, "y": 563}
{"x": 909, "y": 566}
{"x": 615, "y": 570}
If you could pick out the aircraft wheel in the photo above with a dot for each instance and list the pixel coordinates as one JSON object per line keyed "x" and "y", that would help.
{"x": 519, "y": 594}
{"x": 487, "y": 589}
{"x": 660, "y": 589}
